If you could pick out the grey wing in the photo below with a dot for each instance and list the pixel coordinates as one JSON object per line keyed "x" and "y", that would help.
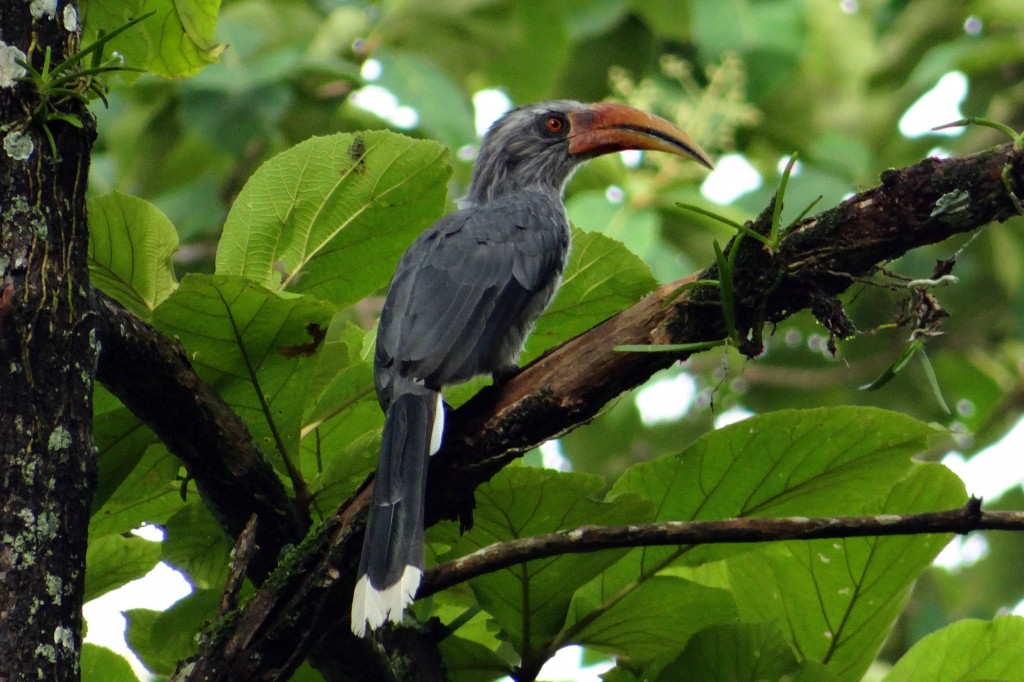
{"x": 465, "y": 293}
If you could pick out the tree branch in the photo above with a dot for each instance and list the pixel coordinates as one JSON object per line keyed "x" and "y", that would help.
{"x": 501, "y": 555}
{"x": 152, "y": 376}
{"x": 820, "y": 258}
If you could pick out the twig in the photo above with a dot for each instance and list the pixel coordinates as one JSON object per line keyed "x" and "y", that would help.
{"x": 595, "y": 538}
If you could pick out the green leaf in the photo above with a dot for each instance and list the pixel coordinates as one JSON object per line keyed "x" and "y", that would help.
{"x": 656, "y": 616}
{"x": 601, "y": 279}
{"x": 151, "y": 493}
{"x": 966, "y": 651}
{"x": 255, "y": 346}
{"x": 837, "y": 599}
{"x": 100, "y": 664}
{"x": 177, "y": 41}
{"x": 306, "y": 673}
{"x": 121, "y": 439}
{"x": 783, "y": 463}
{"x": 933, "y": 382}
{"x": 740, "y": 651}
{"x": 639, "y": 229}
{"x": 790, "y": 462}
{"x": 196, "y": 545}
{"x": 530, "y": 600}
{"x": 131, "y": 243}
{"x": 620, "y": 674}
{"x": 725, "y": 287}
{"x": 343, "y": 377}
{"x": 341, "y": 431}
{"x": 162, "y": 638}
{"x": 468, "y": 661}
{"x": 115, "y": 560}
{"x": 334, "y": 214}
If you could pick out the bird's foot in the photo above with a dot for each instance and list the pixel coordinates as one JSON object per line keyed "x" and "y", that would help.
{"x": 503, "y": 375}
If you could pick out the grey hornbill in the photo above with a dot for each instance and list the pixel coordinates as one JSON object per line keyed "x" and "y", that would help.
{"x": 463, "y": 299}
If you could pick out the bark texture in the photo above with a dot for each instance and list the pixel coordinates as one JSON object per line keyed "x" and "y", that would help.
{"x": 48, "y": 352}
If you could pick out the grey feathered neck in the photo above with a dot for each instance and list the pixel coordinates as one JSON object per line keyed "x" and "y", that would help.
{"x": 515, "y": 155}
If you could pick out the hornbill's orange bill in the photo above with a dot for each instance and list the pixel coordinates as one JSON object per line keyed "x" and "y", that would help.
{"x": 609, "y": 127}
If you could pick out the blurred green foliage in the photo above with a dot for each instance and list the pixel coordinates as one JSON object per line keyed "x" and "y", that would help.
{"x": 214, "y": 145}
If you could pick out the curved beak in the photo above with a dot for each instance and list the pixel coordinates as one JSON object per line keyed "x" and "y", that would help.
{"x": 607, "y": 127}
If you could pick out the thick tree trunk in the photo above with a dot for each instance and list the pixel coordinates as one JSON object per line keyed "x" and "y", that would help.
{"x": 47, "y": 361}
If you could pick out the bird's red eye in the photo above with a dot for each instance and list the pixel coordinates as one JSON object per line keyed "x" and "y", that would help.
{"x": 555, "y": 124}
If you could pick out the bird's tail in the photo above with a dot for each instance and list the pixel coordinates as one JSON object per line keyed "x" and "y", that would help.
{"x": 392, "y": 560}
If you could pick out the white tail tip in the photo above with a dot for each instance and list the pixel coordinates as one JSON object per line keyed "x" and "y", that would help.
{"x": 373, "y": 607}
{"x": 437, "y": 432}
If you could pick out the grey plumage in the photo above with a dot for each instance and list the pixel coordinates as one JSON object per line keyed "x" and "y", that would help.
{"x": 468, "y": 289}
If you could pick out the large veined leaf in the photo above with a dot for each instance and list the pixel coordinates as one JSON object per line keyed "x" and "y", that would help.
{"x": 130, "y": 247}
{"x": 177, "y": 41}
{"x": 255, "y": 346}
{"x": 530, "y": 600}
{"x": 782, "y": 463}
{"x": 601, "y": 279}
{"x": 654, "y": 618}
{"x": 332, "y": 215}
{"x": 741, "y": 651}
{"x": 966, "y": 651}
{"x": 778, "y": 464}
{"x": 837, "y": 599}
{"x": 639, "y": 228}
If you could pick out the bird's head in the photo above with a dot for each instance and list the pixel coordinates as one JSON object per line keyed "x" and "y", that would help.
{"x": 543, "y": 144}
